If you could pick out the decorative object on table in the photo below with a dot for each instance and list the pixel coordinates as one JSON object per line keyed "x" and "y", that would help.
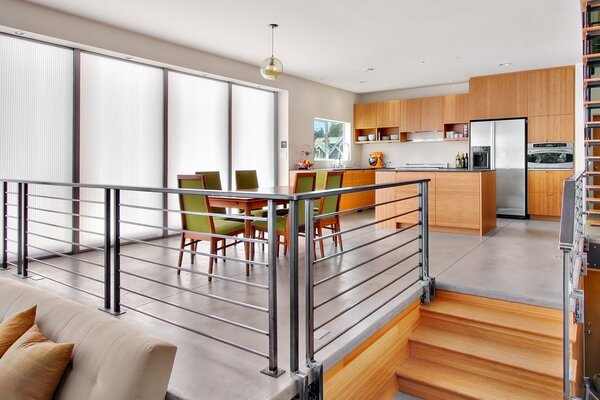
{"x": 302, "y": 161}
{"x": 376, "y": 159}
{"x": 271, "y": 68}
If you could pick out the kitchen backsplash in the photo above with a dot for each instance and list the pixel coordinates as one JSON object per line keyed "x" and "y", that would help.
{"x": 416, "y": 152}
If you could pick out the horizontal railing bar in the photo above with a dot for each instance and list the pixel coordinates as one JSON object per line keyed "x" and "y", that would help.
{"x": 65, "y": 227}
{"x": 360, "y": 246}
{"x": 211, "y": 316}
{"x": 343, "y": 292}
{"x": 366, "y": 188}
{"x": 11, "y": 252}
{"x": 12, "y": 205}
{"x": 208, "y": 214}
{"x": 10, "y": 263}
{"x": 65, "y": 284}
{"x": 368, "y": 297}
{"x": 10, "y": 216}
{"x": 12, "y": 229}
{"x": 65, "y": 213}
{"x": 67, "y": 256}
{"x": 332, "y": 214}
{"x": 65, "y": 199}
{"x": 363, "y": 318}
{"x": 65, "y": 270}
{"x": 200, "y": 253}
{"x": 223, "y": 341}
{"x": 12, "y": 193}
{"x": 225, "y": 278}
{"x": 12, "y": 241}
{"x": 211, "y": 296}
{"x": 65, "y": 241}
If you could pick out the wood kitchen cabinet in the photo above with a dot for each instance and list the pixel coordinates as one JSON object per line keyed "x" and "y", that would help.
{"x": 462, "y": 202}
{"x": 365, "y": 115}
{"x": 388, "y": 113}
{"x": 483, "y": 97}
{"x": 551, "y": 128}
{"x": 360, "y": 177}
{"x": 410, "y": 115}
{"x": 544, "y": 192}
{"x": 551, "y": 91}
{"x": 512, "y": 95}
{"x": 432, "y": 114}
{"x": 456, "y": 108}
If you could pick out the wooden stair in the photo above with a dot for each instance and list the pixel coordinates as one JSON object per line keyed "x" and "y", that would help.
{"x": 470, "y": 347}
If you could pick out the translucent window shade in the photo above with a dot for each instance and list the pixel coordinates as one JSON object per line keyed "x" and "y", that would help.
{"x": 121, "y": 139}
{"x": 36, "y": 133}
{"x": 198, "y": 130}
{"x": 253, "y": 133}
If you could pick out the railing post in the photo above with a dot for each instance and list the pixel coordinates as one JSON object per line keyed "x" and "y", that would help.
{"x": 566, "y": 327}
{"x": 427, "y": 282}
{"x": 117, "y": 254}
{"x": 293, "y": 243}
{"x": 5, "y": 226}
{"x": 19, "y": 229}
{"x": 107, "y": 268}
{"x": 25, "y": 214}
{"x": 272, "y": 370}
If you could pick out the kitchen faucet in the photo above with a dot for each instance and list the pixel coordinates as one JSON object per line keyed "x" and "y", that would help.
{"x": 341, "y": 153}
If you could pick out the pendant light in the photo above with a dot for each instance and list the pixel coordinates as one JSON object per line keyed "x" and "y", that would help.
{"x": 271, "y": 68}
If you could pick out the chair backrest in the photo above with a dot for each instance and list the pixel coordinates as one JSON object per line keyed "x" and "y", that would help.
{"x": 246, "y": 179}
{"x": 331, "y": 203}
{"x": 212, "y": 181}
{"x": 321, "y": 177}
{"x": 305, "y": 182}
{"x": 194, "y": 203}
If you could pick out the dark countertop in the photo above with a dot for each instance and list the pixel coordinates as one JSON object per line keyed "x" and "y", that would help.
{"x": 433, "y": 170}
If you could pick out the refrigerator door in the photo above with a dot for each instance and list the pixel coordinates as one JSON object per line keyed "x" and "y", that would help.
{"x": 481, "y": 133}
{"x": 509, "y": 162}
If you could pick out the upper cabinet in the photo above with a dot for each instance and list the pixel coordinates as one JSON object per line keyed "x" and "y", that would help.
{"x": 551, "y": 91}
{"x": 512, "y": 95}
{"x": 410, "y": 115}
{"x": 365, "y": 115}
{"x": 483, "y": 97}
{"x": 432, "y": 114}
{"x": 456, "y": 108}
{"x": 388, "y": 113}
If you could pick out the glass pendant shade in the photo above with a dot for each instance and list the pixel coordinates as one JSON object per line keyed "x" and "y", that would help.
{"x": 271, "y": 68}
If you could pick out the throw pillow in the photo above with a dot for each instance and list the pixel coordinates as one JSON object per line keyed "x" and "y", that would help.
{"x": 33, "y": 366}
{"x": 14, "y": 327}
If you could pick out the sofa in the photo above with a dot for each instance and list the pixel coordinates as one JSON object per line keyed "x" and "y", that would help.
{"x": 111, "y": 359}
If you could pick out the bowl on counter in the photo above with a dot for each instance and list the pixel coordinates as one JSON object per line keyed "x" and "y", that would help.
{"x": 362, "y": 138}
{"x": 395, "y": 137}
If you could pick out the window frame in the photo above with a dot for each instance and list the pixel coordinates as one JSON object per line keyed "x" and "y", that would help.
{"x": 347, "y": 140}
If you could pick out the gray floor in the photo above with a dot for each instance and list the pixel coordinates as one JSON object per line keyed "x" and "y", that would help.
{"x": 518, "y": 261}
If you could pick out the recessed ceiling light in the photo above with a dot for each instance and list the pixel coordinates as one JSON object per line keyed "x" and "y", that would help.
{"x": 369, "y": 69}
{"x": 129, "y": 58}
{"x": 505, "y": 64}
{"x": 19, "y": 33}
{"x": 455, "y": 58}
{"x": 363, "y": 81}
{"x": 450, "y": 80}
{"x": 421, "y": 62}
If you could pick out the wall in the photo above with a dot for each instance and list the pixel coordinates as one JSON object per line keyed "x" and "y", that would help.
{"x": 299, "y": 102}
{"x": 399, "y": 154}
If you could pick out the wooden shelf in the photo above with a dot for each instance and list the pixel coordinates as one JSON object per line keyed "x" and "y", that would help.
{"x": 462, "y": 139}
{"x": 378, "y": 141}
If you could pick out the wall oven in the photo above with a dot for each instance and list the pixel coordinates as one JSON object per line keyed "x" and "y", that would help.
{"x": 550, "y": 155}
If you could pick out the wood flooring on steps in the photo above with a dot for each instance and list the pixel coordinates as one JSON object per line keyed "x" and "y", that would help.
{"x": 469, "y": 347}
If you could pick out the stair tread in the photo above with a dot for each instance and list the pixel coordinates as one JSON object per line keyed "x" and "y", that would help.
{"x": 467, "y": 384}
{"x": 520, "y": 321}
{"x": 545, "y": 363}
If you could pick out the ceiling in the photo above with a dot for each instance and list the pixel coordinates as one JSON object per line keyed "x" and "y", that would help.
{"x": 408, "y": 43}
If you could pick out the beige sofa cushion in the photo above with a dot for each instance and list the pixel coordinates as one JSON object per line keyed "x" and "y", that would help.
{"x": 111, "y": 359}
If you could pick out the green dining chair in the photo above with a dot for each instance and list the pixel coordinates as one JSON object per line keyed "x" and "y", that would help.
{"x": 330, "y": 204}
{"x": 304, "y": 183}
{"x": 212, "y": 181}
{"x": 196, "y": 228}
{"x": 246, "y": 179}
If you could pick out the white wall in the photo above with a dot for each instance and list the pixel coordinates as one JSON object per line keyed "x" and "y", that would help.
{"x": 303, "y": 101}
{"x": 430, "y": 152}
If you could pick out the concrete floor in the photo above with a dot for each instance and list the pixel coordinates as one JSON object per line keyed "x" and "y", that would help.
{"x": 518, "y": 261}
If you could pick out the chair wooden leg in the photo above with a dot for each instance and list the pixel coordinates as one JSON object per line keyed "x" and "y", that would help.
{"x": 286, "y": 242}
{"x": 224, "y": 250}
{"x": 277, "y": 242}
{"x": 181, "y": 246}
{"x": 321, "y": 246}
{"x": 193, "y": 248}
{"x": 213, "y": 250}
{"x": 338, "y": 229}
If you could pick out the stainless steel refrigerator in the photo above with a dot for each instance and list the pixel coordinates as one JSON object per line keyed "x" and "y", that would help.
{"x": 507, "y": 141}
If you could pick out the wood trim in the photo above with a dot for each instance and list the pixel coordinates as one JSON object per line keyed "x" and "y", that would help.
{"x": 487, "y": 214}
{"x": 368, "y": 372}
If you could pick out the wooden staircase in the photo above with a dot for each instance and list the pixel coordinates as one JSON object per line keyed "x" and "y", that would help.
{"x": 470, "y": 347}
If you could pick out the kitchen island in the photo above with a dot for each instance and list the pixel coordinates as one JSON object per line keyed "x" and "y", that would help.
{"x": 460, "y": 200}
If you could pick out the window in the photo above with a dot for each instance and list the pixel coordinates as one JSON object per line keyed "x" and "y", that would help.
{"x": 332, "y": 140}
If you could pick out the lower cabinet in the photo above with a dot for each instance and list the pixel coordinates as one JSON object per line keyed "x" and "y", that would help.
{"x": 544, "y": 192}
{"x": 358, "y": 177}
{"x": 458, "y": 201}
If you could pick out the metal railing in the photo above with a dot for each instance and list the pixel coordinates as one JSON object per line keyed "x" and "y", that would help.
{"x": 121, "y": 244}
{"x": 573, "y": 245}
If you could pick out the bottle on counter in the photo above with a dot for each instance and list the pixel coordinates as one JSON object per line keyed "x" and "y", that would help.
{"x": 463, "y": 161}
{"x": 466, "y": 160}
{"x": 458, "y": 160}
